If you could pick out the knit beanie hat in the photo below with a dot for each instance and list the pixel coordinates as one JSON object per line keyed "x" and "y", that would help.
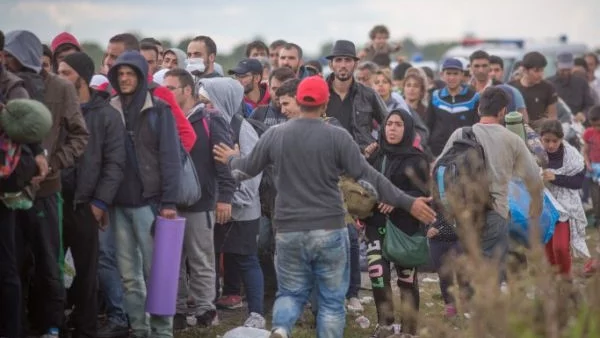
{"x": 82, "y": 64}
{"x": 64, "y": 39}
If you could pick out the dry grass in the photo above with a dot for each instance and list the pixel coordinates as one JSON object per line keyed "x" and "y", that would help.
{"x": 538, "y": 304}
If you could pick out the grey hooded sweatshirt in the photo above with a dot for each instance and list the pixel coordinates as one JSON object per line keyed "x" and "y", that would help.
{"x": 181, "y": 57}
{"x": 26, "y": 47}
{"x": 227, "y": 95}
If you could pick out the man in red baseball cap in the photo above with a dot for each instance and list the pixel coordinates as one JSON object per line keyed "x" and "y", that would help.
{"x": 312, "y": 238}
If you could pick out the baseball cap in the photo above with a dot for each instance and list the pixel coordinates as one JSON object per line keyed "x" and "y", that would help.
{"x": 312, "y": 91}
{"x": 565, "y": 60}
{"x": 247, "y": 66}
{"x": 452, "y": 64}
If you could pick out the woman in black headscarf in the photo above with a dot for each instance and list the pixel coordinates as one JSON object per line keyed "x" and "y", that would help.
{"x": 407, "y": 168}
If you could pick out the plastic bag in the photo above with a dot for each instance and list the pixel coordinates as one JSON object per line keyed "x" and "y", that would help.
{"x": 518, "y": 202}
{"x": 247, "y": 332}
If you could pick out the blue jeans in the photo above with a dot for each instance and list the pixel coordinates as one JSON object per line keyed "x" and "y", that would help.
{"x": 307, "y": 259}
{"x": 247, "y": 268}
{"x": 109, "y": 278}
{"x": 354, "y": 262}
{"x": 134, "y": 257}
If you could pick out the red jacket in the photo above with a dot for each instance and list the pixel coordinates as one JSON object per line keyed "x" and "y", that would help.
{"x": 264, "y": 100}
{"x": 184, "y": 128}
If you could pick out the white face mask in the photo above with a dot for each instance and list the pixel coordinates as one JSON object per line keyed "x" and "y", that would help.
{"x": 195, "y": 66}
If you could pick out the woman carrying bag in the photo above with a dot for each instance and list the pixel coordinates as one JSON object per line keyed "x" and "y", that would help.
{"x": 408, "y": 169}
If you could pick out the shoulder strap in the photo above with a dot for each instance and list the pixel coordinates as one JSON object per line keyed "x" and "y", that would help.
{"x": 261, "y": 113}
{"x": 383, "y": 165}
{"x": 236, "y": 126}
{"x": 468, "y": 133}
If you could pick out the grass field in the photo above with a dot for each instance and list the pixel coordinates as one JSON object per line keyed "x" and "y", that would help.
{"x": 431, "y": 310}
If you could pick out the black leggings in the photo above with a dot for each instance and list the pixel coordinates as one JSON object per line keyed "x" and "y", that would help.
{"x": 380, "y": 274}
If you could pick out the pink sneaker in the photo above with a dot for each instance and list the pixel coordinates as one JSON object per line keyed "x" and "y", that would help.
{"x": 450, "y": 311}
{"x": 229, "y": 302}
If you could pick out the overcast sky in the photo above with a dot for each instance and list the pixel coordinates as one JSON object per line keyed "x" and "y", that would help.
{"x": 308, "y": 22}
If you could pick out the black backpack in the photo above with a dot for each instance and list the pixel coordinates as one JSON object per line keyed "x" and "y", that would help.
{"x": 460, "y": 180}
{"x": 266, "y": 190}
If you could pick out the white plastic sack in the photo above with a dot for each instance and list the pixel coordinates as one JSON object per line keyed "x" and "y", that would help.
{"x": 247, "y": 332}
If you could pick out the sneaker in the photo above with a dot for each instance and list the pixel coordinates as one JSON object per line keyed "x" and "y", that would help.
{"x": 207, "y": 319}
{"x": 229, "y": 302}
{"x": 180, "y": 322}
{"x": 450, "y": 311}
{"x": 112, "y": 330}
{"x": 354, "y": 305}
{"x": 278, "y": 333}
{"x": 256, "y": 321}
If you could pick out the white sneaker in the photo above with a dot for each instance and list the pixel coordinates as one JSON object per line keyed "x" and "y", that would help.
{"x": 354, "y": 305}
{"x": 255, "y": 321}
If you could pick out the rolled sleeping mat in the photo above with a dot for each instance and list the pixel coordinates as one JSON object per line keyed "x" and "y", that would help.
{"x": 166, "y": 259}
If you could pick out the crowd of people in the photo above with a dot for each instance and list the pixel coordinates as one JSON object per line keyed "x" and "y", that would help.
{"x": 270, "y": 143}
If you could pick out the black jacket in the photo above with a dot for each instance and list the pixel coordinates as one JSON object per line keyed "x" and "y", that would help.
{"x": 99, "y": 171}
{"x": 153, "y": 149}
{"x": 215, "y": 178}
{"x": 367, "y": 106}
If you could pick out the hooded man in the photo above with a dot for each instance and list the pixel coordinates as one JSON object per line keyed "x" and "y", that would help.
{"x": 174, "y": 58}
{"x": 237, "y": 239}
{"x": 89, "y": 187}
{"x": 64, "y": 143}
{"x": 21, "y": 57}
{"x": 11, "y": 86}
{"x": 62, "y": 45}
{"x": 120, "y": 43}
{"x": 150, "y": 184}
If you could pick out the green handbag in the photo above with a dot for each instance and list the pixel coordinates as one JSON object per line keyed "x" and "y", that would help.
{"x": 402, "y": 249}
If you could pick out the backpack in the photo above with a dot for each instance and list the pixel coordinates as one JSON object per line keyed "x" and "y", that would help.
{"x": 33, "y": 84}
{"x": 266, "y": 190}
{"x": 359, "y": 201}
{"x": 190, "y": 190}
{"x": 460, "y": 178}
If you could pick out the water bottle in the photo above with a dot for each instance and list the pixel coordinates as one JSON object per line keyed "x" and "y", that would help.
{"x": 514, "y": 123}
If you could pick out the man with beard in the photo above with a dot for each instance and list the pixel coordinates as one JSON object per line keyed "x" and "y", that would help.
{"x": 290, "y": 56}
{"x": 88, "y": 188}
{"x": 353, "y": 104}
{"x": 201, "y": 52}
{"x": 574, "y": 90}
{"x": 249, "y": 73}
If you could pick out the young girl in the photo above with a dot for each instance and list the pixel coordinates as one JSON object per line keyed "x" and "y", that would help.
{"x": 408, "y": 169}
{"x": 564, "y": 178}
{"x": 415, "y": 91}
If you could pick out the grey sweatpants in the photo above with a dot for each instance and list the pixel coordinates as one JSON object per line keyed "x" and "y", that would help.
{"x": 198, "y": 282}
